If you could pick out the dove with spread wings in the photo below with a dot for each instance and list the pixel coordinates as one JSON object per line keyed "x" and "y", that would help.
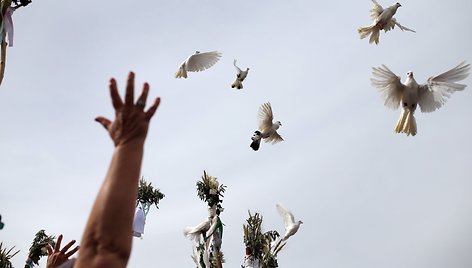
{"x": 429, "y": 96}
{"x": 382, "y": 20}
{"x": 291, "y": 226}
{"x": 267, "y": 129}
{"x": 198, "y": 62}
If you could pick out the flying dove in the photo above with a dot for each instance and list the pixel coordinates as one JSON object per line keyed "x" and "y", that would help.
{"x": 382, "y": 20}
{"x": 429, "y": 96}
{"x": 240, "y": 76}
{"x": 198, "y": 62}
{"x": 267, "y": 129}
{"x": 291, "y": 227}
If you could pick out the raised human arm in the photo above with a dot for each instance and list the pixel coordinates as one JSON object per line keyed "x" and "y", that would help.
{"x": 107, "y": 237}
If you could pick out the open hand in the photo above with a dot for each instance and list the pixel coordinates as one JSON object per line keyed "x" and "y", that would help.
{"x": 59, "y": 256}
{"x": 131, "y": 121}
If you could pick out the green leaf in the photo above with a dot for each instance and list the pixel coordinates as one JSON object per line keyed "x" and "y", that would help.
{"x": 209, "y": 190}
{"x": 148, "y": 195}
{"x": 6, "y": 256}
{"x": 41, "y": 240}
{"x": 258, "y": 243}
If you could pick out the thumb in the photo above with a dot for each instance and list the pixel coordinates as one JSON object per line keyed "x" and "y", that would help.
{"x": 103, "y": 121}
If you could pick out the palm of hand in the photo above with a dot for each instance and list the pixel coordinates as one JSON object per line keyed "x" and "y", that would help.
{"x": 131, "y": 121}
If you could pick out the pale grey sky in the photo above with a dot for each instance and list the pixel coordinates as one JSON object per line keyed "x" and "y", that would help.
{"x": 369, "y": 198}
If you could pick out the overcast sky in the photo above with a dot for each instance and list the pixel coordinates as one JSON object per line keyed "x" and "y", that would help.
{"x": 369, "y": 198}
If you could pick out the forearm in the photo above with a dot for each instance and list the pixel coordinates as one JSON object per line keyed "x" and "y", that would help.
{"x": 113, "y": 210}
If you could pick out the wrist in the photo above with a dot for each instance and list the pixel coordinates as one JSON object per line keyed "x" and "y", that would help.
{"x": 132, "y": 144}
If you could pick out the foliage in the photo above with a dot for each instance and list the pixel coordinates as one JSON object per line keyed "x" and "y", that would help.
{"x": 201, "y": 249}
{"x": 5, "y": 256}
{"x": 209, "y": 190}
{"x": 38, "y": 247}
{"x": 148, "y": 195}
{"x": 214, "y": 259}
{"x": 260, "y": 244}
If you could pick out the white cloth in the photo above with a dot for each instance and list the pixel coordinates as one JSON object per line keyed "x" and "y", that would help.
{"x": 139, "y": 222}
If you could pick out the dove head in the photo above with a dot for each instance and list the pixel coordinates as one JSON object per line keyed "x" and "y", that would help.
{"x": 409, "y": 74}
{"x": 278, "y": 123}
{"x": 300, "y": 222}
{"x": 398, "y": 5}
{"x": 197, "y": 52}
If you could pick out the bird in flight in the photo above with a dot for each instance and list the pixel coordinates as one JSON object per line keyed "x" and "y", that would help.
{"x": 267, "y": 128}
{"x": 198, "y": 62}
{"x": 382, "y": 20}
{"x": 240, "y": 76}
{"x": 428, "y": 96}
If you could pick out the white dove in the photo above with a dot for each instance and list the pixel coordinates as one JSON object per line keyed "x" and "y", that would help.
{"x": 291, "y": 227}
{"x": 267, "y": 129}
{"x": 195, "y": 233}
{"x": 198, "y": 62}
{"x": 429, "y": 96}
{"x": 382, "y": 20}
{"x": 240, "y": 76}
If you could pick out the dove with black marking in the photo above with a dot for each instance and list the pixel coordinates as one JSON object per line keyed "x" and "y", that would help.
{"x": 240, "y": 76}
{"x": 428, "y": 96}
{"x": 382, "y": 20}
{"x": 198, "y": 62}
{"x": 267, "y": 128}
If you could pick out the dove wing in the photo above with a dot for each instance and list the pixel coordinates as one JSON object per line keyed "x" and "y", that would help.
{"x": 287, "y": 216}
{"x": 238, "y": 70}
{"x": 202, "y": 61}
{"x": 394, "y": 22}
{"x": 265, "y": 117}
{"x": 376, "y": 10}
{"x": 274, "y": 138}
{"x": 389, "y": 85}
{"x": 435, "y": 92}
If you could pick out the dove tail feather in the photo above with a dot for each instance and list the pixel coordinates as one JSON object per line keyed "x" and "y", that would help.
{"x": 237, "y": 84}
{"x": 280, "y": 244}
{"x": 372, "y": 30}
{"x": 277, "y": 245}
{"x": 406, "y": 123}
{"x": 255, "y": 145}
{"x": 256, "y": 140}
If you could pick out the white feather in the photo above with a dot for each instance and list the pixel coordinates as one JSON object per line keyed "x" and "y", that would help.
{"x": 198, "y": 62}
{"x": 268, "y": 128}
{"x": 382, "y": 19}
{"x": 429, "y": 96}
{"x": 435, "y": 92}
